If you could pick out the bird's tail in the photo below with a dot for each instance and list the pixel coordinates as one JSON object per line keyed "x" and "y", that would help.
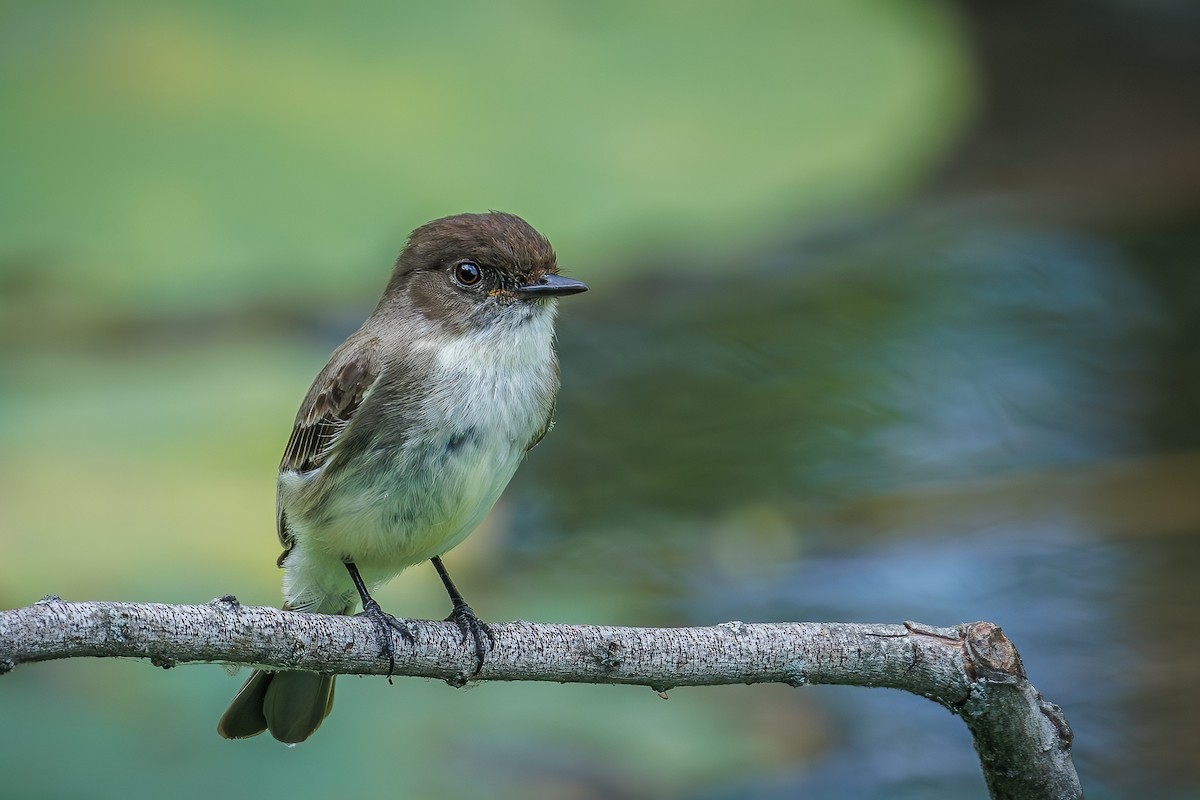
{"x": 290, "y": 704}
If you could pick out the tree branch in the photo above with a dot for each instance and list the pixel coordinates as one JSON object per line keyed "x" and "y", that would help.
{"x": 1023, "y": 742}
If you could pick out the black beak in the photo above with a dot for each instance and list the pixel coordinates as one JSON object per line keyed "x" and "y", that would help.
{"x": 551, "y": 285}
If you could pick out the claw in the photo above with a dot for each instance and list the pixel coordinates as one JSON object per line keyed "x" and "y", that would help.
{"x": 474, "y": 628}
{"x": 384, "y": 625}
{"x": 462, "y": 616}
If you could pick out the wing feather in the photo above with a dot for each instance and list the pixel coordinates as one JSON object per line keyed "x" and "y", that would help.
{"x": 326, "y": 411}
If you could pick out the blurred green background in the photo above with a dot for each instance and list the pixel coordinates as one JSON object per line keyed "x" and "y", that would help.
{"x": 894, "y": 316}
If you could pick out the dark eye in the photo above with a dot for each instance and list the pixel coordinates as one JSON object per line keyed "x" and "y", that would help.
{"x": 467, "y": 273}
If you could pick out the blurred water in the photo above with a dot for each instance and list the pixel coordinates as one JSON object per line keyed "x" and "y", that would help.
{"x": 924, "y": 417}
{"x": 942, "y": 422}
{"x": 937, "y": 415}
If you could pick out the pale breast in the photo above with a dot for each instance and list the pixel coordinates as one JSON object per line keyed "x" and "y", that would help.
{"x": 486, "y": 396}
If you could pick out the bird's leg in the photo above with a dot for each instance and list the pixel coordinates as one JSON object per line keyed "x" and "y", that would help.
{"x": 384, "y": 623}
{"x": 462, "y": 615}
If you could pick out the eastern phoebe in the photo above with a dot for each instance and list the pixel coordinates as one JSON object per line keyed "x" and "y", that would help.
{"x": 407, "y": 438}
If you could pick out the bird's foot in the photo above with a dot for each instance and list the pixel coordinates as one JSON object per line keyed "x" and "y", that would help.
{"x": 475, "y": 629}
{"x": 385, "y": 624}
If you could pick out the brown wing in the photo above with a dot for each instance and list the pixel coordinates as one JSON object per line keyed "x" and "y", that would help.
{"x": 553, "y": 406}
{"x": 537, "y": 437}
{"x": 334, "y": 397}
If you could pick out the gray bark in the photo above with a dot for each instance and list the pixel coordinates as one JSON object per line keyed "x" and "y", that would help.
{"x": 1023, "y": 742}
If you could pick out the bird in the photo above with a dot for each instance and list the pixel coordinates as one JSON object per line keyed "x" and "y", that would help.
{"x": 407, "y": 438}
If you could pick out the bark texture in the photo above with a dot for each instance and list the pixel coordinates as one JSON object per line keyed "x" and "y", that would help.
{"x": 1024, "y": 742}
